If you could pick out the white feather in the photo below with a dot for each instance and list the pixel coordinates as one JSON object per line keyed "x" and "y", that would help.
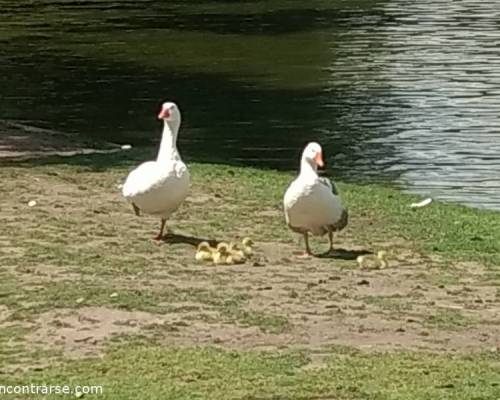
{"x": 422, "y": 203}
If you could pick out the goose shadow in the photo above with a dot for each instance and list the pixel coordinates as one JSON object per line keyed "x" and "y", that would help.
{"x": 174, "y": 238}
{"x": 344, "y": 254}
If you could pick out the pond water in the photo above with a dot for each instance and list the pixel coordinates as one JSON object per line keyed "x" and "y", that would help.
{"x": 395, "y": 90}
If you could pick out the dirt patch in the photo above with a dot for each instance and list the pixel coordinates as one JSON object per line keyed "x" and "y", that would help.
{"x": 84, "y": 331}
{"x": 380, "y": 310}
{"x": 87, "y": 330}
{"x": 4, "y": 313}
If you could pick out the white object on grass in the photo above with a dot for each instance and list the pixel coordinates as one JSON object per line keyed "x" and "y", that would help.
{"x": 422, "y": 203}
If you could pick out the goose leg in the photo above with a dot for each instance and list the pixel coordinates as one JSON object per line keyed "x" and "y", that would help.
{"x": 308, "y": 252}
{"x": 160, "y": 235}
{"x": 137, "y": 210}
{"x": 330, "y": 238}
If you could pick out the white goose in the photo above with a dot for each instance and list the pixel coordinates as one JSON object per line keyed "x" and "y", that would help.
{"x": 159, "y": 187}
{"x": 312, "y": 204}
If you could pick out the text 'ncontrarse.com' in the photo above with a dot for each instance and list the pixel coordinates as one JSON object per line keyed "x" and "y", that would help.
{"x": 49, "y": 389}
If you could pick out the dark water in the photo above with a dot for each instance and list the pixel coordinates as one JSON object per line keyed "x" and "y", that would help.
{"x": 406, "y": 91}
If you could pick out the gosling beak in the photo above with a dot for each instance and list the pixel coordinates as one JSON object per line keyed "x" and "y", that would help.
{"x": 319, "y": 159}
{"x": 164, "y": 113}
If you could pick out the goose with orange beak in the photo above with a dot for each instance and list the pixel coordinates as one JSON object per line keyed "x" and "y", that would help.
{"x": 159, "y": 187}
{"x": 312, "y": 204}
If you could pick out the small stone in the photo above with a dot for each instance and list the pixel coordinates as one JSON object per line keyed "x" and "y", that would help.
{"x": 80, "y": 300}
{"x": 114, "y": 294}
{"x": 32, "y": 203}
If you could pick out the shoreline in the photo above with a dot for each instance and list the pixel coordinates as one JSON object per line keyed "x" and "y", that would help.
{"x": 20, "y": 141}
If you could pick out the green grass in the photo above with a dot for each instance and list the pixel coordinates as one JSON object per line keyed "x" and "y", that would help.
{"x": 449, "y": 319}
{"x": 264, "y": 321}
{"x": 389, "y": 303}
{"x": 81, "y": 242}
{"x": 154, "y": 372}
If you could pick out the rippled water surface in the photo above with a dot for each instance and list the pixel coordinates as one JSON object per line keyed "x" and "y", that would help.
{"x": 405, "y": 91}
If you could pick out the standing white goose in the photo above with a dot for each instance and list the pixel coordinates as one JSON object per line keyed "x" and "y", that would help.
{"x": 312, "y": 204}
{"x": 159, "y": 187}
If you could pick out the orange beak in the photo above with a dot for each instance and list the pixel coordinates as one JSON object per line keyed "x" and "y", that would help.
{"x": 164, "y": 113}
{"x": 319, "y": 159}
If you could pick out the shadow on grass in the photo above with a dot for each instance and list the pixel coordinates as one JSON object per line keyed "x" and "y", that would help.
{"x": 344, "y": 254}
{"x": 173, "y": 238}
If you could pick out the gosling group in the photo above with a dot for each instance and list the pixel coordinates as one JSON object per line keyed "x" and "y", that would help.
{"x": 224, "y": 253}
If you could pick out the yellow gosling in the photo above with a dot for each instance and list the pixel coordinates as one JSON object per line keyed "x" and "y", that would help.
{"x": 378, "y": 261}
{"x": 247, "y": 247}
{"x": 382, "y": 259}
{"x": 361, "y": 261}
{"x": 236, "y": 256}
{"x": 204, "y": 252}
{"x": 220, "y": 255}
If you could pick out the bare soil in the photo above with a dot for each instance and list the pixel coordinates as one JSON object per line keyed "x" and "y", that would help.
{"x": 371, "y": 310}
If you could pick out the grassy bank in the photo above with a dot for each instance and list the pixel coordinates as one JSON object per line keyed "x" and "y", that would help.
{"x": 82, "y": 280}
{"x": 163, "y": 373}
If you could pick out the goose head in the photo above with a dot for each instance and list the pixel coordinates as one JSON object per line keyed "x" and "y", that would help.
{"x": 171, "y": 117}
{"x": 169, "y": 112}
{"x": 247, "y": 242}
{"x": 313, "y": 155}
{"x": 204, "y": 246}
{"x": 223, "y": 249}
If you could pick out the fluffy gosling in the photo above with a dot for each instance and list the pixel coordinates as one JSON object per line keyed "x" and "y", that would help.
{"x": 382, "y": 259}
{"x": 204, "y": 253}
{"x": 373, "y": 262}
{"x": 221, "y": 254}
{"x": 236, "y": 256}
{"x": 247, "y": 247}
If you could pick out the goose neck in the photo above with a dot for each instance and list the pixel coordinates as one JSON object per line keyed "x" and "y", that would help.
{"x": 168, "y": 144}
